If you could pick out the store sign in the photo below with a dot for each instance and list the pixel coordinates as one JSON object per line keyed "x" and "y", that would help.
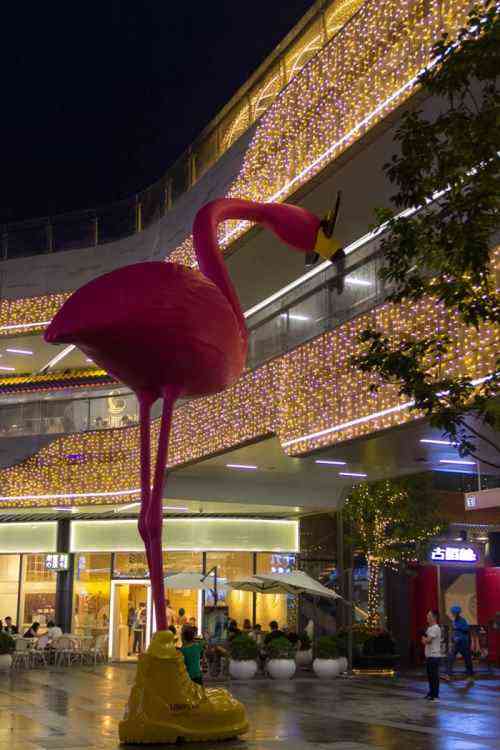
{"x": 453, "y": 553}
{"x": 57, "y": 562}
{"x": 482, "y": 499}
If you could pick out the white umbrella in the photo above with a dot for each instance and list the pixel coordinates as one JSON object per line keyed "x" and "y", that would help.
{"x": 193, "y": 581}
{"x": 256, "y": 584}
{"x": 297, "y": 582}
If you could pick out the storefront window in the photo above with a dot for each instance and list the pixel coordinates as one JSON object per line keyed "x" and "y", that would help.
{"x": 188, "y": 599}
{"x": 38, "y": 591}
{"x": 91, "y": 593}
{"x": 232, "y": 566}
{"x": 277, "y": 607}
{"x": 9, "y": 586}
{"x": 130, "y": 565}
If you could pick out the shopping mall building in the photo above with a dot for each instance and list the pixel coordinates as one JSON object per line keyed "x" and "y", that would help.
{"x": 255, "y": 473}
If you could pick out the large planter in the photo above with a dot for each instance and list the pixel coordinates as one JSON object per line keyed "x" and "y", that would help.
{"x": 242, "y": 670}
{"x": 5, "y": 662}
{"x": 304, "y": 658}
{"x": 281, "y": 669}
{"x": 344, "y": 664}
{"x": 326, "y": 669}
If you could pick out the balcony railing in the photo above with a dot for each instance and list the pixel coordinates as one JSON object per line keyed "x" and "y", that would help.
{"x": 322, "y": 300}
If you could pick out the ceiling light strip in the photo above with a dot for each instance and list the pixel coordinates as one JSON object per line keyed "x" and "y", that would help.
{"x": 351, "y": 423}
{"x": 71, "y": 495}
{"x": 59, "y": 356}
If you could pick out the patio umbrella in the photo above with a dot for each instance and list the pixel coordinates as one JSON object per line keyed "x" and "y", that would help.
{"x": 296, "y": 582}
{"x": 257, "y": 585}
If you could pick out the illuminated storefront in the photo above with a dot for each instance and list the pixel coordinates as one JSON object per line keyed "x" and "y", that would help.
{"x": 104, "y": 569}
{"x": 461, "y": 572}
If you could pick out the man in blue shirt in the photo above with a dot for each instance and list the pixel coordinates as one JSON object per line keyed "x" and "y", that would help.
{"x": 459, "y": 643}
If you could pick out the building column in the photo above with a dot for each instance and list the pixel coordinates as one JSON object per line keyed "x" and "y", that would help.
{"x": 64, "y": 585}
{"x": 399, "y": 612}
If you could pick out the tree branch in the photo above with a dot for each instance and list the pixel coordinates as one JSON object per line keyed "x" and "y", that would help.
{"x": 479, "y": 435}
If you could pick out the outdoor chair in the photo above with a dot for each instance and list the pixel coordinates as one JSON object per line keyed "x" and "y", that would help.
{"x": 38, "y": 652}
{"x": 21, "y": 655}
{"x": 64, "y": 649}
{"x": 99, "y": 651}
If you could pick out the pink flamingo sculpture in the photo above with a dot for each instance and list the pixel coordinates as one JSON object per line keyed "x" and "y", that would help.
{"x": 166, "y": 330}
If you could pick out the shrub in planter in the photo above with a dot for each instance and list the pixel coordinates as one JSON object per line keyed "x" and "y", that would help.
{"x": 360, "y": 634}
{"x": 244, "y": 652}
{"x": 303, "y": 656}
{"x": 7, "y": 646}
{"x": 281, "y": 664}
{"x": 379, "y": 651}
{"x": 326, "y": 664}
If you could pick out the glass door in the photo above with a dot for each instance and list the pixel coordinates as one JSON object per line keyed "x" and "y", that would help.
{"x": 130, "y": 622}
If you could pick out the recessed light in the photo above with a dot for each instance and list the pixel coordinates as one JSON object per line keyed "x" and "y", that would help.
{"x": 126, "y": 507}
{"x": 175, "y": 507}
{"x": 432, "y": 441}
{"x": 351, "y": 474}
{"x": 357, "y": 282}
{"x": 19, "y": 351}
{"x": 242, "y": 466}
{"x": 329, "y": 462}
{"x": 456, "y": 461}
{"x": 295, "y": 316}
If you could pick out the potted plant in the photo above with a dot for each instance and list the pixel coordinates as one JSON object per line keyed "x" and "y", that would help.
{"x": 304, "y": 657}
{"x": 281, "y": 664}
{"x": 243, "y": 661}
{"x": 327, "y": 665}
{"x": 7, "y": 647}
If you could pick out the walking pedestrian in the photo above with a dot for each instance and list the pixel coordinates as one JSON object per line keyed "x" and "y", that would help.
{"x": 432, "y": 643}
{"x": 459, "y": 644}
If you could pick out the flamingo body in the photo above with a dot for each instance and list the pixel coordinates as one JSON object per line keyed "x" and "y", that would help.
{"x": 166, "y": 331}
{"x": 153, "y": 325}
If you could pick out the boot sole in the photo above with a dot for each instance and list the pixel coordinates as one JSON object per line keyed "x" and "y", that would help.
{"x": 170, "y": 735}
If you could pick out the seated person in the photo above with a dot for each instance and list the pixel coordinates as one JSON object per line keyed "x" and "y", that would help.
{"x": 32, "y": 630}
{"x": 275, "y": 632}
{"x": 9, "y": 627}
{"x": 192, "y": 651}
{"x": 247, "y": 627}
{"x": 232, "y": 630}
{"x": 53, "y": 630}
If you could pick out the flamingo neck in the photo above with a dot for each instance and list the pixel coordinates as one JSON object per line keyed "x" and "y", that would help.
{"x": 292, "y": 224}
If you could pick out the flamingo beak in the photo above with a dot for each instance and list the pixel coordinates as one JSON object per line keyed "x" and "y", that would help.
{"x": 326, "y": 244}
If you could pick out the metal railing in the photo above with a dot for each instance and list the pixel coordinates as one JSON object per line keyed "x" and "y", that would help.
{"x": 318, "y": 304}
{"x": 83, "y": 229}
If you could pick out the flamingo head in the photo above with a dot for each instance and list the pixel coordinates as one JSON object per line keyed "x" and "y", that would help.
{"x": 326, "y": 245}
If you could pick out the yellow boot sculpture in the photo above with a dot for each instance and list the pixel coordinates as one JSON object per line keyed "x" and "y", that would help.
{"x": 166, "y": 706}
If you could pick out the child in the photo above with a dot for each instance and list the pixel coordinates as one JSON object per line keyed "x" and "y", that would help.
{"x": 432, "y": 643}
{"x": 192, "y": 652}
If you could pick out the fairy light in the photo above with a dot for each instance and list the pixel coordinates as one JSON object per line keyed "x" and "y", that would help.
{"x": 361, "y": 75}
{"x": 366, "y": 71}
{"x": 311, "y": 398}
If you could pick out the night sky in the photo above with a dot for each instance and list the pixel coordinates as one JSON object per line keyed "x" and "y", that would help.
{"x": 98, "y": 99}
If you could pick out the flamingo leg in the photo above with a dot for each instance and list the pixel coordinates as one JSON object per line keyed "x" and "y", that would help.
{"x": 154, "y": 515}
{"x": 145, "y": 403}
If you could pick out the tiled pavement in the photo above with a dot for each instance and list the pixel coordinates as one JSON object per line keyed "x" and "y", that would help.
{"x": 78, "y": 708}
